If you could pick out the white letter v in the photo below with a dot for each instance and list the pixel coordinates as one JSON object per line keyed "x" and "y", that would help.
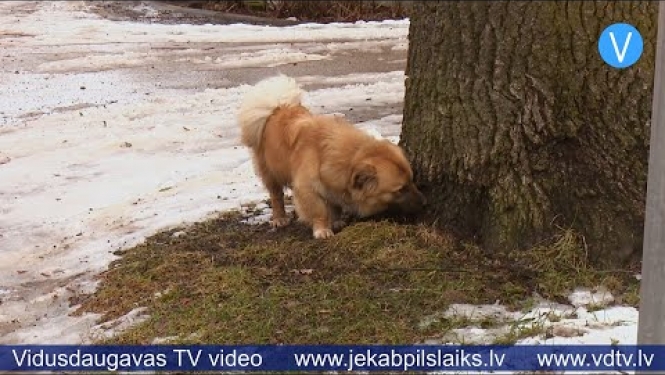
{"x": 622, "y": 54}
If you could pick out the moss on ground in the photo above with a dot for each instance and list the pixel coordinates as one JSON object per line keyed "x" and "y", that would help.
{"x": 224, "y": 281}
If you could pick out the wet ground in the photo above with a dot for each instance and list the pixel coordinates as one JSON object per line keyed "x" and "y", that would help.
{"x": 169, "y": 65}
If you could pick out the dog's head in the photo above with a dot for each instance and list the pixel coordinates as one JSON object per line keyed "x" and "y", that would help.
{"x": 382, "y": 180}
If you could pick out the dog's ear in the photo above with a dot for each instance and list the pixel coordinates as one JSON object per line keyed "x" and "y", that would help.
{"x": 364, "y": 177}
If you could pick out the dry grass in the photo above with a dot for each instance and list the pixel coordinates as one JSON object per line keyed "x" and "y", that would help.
{"x": 228, "y": 282}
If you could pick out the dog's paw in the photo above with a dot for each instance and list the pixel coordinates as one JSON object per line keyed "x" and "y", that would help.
{"x": 338, "y": 225}
{"x": 278, "y": 222}
{"x": 323, "y": 233}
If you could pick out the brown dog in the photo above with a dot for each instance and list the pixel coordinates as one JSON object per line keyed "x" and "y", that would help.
{"x": 330, "y": 165}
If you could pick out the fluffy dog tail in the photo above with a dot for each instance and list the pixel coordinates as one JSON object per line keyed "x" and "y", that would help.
{"x": 261, "y": 101}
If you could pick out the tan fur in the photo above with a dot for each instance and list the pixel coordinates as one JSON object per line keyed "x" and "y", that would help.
{"x": 331, "y": 167}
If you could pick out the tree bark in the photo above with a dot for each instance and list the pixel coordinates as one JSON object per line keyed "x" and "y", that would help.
{"x": 517, "y": 127}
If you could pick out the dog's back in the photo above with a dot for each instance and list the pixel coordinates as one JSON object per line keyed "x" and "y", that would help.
{"x": 281, "y": 134}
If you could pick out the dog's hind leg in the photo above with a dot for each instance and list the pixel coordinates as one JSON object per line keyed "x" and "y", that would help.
{"x": 276, "y": 191}
{"x": 279, "y": 218}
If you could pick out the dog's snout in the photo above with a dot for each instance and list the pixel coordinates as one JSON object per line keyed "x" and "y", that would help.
{"x": 423, "y": 200}
{"x": 419, "y": 196}
{"x": 413, "y": 201}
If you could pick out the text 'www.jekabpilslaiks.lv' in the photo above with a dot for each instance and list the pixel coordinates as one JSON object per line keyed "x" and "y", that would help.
{"x": 420, "y": 358}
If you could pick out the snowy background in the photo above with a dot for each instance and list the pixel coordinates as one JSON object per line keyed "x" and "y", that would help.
{"x": 113, "y": 130}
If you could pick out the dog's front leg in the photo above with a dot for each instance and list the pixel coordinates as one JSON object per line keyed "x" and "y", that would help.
{"x": 313, "y": 210}
{"x": 336, "y": 218}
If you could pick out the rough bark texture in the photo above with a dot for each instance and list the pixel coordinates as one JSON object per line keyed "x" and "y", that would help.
{"x": 517, "y": 128}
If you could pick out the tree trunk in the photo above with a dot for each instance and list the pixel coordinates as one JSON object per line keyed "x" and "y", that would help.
{"x": 517, "y": 127}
